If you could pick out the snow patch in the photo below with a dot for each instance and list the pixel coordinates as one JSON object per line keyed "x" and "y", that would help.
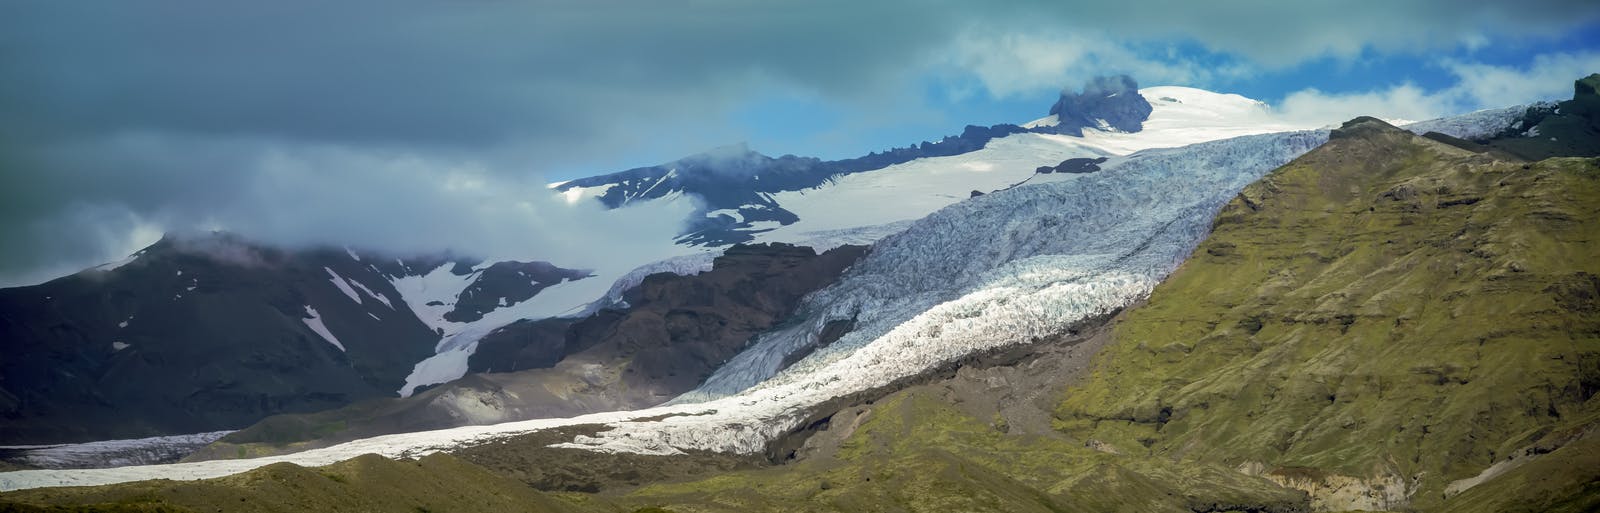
{"x": 730, "y": 212}
{"x": 437, "y": 285}
{"x": 315, "y": 323}
{"x": 371, "y": 294}
{"x": 461, "y": 339}
{"x": 112, "y": 266}
{"x": 1047, "y": 121}
{"x": 118, "y": 346}
{"x": 343, "y": 285}
{"x": 442, "y": 367}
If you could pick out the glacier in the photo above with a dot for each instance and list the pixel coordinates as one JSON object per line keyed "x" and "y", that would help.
{"x": 138, "y": 451}
{"x": 988, "y": 272}
{"x": 980, "y": 274}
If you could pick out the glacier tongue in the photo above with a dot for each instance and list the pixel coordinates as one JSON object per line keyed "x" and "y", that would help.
{"x": 993, "y": 271}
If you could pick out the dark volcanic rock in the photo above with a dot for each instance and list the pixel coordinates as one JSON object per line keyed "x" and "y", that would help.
{"x": 1567, "y": 129}
{"x": 197, "y": 335}
{"x": 522, "y": 345}
{"x": 1105, "y": 102}
{"x": 676, "y": 331}
{"x": 206, "y": 333}
{"x": 505, "y": 284}
{"x": 1076, "y": 166}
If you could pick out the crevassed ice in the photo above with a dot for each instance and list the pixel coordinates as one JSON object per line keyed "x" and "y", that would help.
{"x": 1475, "y": 125}
{"x": 1149, "y": 211}
{"x": 999, "y": 269}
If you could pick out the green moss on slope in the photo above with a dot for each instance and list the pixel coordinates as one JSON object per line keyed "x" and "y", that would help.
{"x": 918, "y": 453}
{"x": 1558, "y": 473}
{"x": 370, "y": 483}
{"x": 1385, "y": 308}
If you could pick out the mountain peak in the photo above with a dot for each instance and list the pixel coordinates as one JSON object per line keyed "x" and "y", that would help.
{"x": 1106, "y": 103}
{"x": 1586, "y": 87}
{"x": 1364, "y": 126}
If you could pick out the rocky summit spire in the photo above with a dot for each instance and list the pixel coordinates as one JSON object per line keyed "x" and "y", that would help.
{"x": 1105, "y": 103}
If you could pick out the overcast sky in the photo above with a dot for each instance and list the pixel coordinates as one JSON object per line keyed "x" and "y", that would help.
{"x": 422, "y": 125}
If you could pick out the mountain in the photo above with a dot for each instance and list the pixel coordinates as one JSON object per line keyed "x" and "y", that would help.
{"x": 743, "y": 196}
{"x": 938, "y": 259}
{"x": 1061, "y": 249}
{"x": 198, "y": 334}
{"x": 1387, "y": 321}
{"x": 431, "y": 314}
{"x": 1384, "y": 317}
{"x": 1038, "y": 255}
{"x": 673, "y": 331}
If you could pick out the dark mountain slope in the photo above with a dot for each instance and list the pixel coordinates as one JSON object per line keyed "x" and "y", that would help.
{"x": 1566, "y": 129}
{"x": 675, "y": 332}
{"x": 194, "y": 336}
{"x": 212, "y": 332}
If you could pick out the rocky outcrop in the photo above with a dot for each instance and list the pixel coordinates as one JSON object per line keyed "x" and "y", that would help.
{"x": 1073, "y": 166}
{"x": 1567, "y": 129}
{"x": 1110, "y": 103}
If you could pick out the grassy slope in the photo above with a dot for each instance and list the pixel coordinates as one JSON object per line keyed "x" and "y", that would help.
{"x": 1566, "y": 480}
{"x": 918, "y": 453}
{"x": 369, "y": 483}
{"x": 1384, "y": 305}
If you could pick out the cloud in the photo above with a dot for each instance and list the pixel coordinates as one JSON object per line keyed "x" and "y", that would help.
{"x": 297, "y": 122}
{"x": 1022, "y": 63}
{"x": 1477, "y": 86}
{"x": 1287, "y": 33}
{"x": 1548, "y": 77}
{"x": 296, "y": 195}
{"x": 1405, "y": 102}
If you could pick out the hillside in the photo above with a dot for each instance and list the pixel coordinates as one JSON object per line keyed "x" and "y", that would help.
{"x": 198, "y": 334}
{"x": 1378, "y": 319}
